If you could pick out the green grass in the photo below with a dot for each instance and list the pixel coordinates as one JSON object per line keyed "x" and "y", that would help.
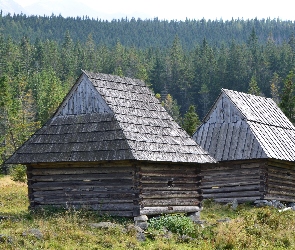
{"x": 248, "y": 228}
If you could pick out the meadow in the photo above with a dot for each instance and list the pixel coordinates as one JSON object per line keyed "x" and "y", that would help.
{"x": 221, "y": 227}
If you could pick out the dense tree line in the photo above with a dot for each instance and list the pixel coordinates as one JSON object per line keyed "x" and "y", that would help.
{"x": 144, "y": 33}
{"x": 37, "y": 71}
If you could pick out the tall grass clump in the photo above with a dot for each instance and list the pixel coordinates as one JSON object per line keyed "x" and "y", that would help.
{"x": 18, "y": 173}
{"x": 175, "y": 223}
{"x": 258, "y": 228}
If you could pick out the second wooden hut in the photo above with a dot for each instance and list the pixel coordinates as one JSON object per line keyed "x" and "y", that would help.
{"x": 254, "y": 143}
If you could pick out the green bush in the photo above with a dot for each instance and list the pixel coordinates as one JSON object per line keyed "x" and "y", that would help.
{"x": 19, "y": 173}
{"x": 175, "y": 223}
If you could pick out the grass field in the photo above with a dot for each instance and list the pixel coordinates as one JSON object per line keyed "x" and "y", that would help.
{"x": 244, "y": 228}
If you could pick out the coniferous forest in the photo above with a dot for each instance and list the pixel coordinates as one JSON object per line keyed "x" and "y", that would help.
{"x": 185, "y": 63}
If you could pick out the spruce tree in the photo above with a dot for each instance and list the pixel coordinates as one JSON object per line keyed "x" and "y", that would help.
{"x": 287, "y": 103}
{"x": 253, "y": 87}
{"x": 172, "y": 108}
{"x": 274, "y": 88}
{"x": 191, "y": 120}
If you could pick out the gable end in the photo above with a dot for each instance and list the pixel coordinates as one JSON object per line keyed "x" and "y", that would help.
{"x": 83, "y": 99}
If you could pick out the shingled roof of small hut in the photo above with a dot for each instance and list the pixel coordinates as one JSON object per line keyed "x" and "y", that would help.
{"x": 268, "y": 133}
{"x": 117, "y": 118}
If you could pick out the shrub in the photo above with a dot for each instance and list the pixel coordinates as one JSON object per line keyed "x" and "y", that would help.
{"x": 19, "y": 173}
{"x": 175, "y": 223}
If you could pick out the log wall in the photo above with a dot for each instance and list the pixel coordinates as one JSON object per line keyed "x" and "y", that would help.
{"x": 226, "y": 181}
{"x": 169, "y": 188}
{"x": 108, "y": 188}
{"x": 280, "y": 182}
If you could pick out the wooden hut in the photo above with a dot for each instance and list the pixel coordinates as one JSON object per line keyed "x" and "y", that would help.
{"x": 254, "y": 143}
{"x": 112, "y": 147}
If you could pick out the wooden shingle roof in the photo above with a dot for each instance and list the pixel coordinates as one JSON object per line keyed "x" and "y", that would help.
{"x": 106, "y": 117}
{"x": 244, "y": 126}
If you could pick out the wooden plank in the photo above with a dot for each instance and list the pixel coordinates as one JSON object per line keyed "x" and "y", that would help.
{"x": 227, "y": 167}
{"x": 205, "y": 136}
{"x": 164, "y": 186}
{"x": 230, "y": 178}
{"x": 221, "y": 141}
{"x": 284, "y": 192}
{"x": 77, "y": 165}
{"x": 229, "y": 184}
{"x": 197, "y": 136}
{"x": 89, "y": 187}
{"x": 280, "y": 176}
{"x": 234, "y": 141}
{"x": 280, "y": 163}
{"x": 175, "y": 180}
{"x": 231, "y": 189}
{"x": 228, "y": 141}
{"x": 281, "y": 170}
{"x": 239, "y": 199}
{"x": 169, "y": 194}
{"x": 209, "y": 138}
{"x": 91, "y": 194}
{"x": 82, "y": 177}
{"x": 214, "y": 139}
{"x": 94, "y": 205}
{"x": 239, "y": 152}
{"x": 180, "y": 172}
{"x": 251, "y": 165}
{"x": 170, "y": 202}
{"x": 168, "y": 209}
{"x": 79, "y": 200}
{"x": 168, "y": 167}
{"x": 279, "y": 197}
{"x": 219, "y": 167}
{"x": 279, "y": 182}
{"x": 232, "y": 194}
{"x": 82, "y": 171}
{"x": 232, "y": 172}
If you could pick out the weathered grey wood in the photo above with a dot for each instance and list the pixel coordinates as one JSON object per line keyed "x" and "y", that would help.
{"x": 164, "y": 186}
{"x": 231, "y": 172}
{"x": 228, "y": 142}
{"x": 239, "y": 199}
{"x": 279, "y": 197}
{"x": 281, "y": 169}
{"x": 77, "y": 101}
{"x": 230, "y": 178}
{"x": 281, "y": 191}
{"x": 256, "y": 186}
{"x": 222, "y": 141}
{"x": 233, "y": 194}
{"x": 170, "y": 194}
{"x": 170, "y": 202}
{"x": 165, "y": 179}
{"x": 171, "y": 209}
{"x": 224, "y": 166}
{"x": 281, "y": 176}
{"x": 266, "y": 132}
{"x": 111, "y": 146}
{"x": 229, "y": 184}
{"x": 280, "y": 186}
{"x": 234, "y": 140}
{"x": 83, "y": 177}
